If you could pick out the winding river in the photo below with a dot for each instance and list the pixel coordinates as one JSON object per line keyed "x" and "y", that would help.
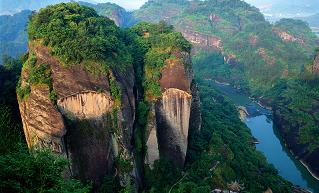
{"x": 260, "y": 123}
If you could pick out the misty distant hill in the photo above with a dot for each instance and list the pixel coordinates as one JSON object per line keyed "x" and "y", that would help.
{"x": 13, "y": 38}
{"x": 277, "y": 9}
{"x": 313, "y": 20}
{"x": 9, "y": 7}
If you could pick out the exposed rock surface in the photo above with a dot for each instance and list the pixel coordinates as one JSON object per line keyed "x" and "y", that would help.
{"x": 202, "y": 40}
{"x": 263, "y": 54}
{"x": 42, "y": 123}
{"x": 152, "y": 153}
{"x": 285, "y": 36}
{"x": 86, "y": 105}
{"x": 315, "y": 66}
{"x": 169, "y": 118}
{"x": 95, "y": 130}
{"x": 172, "y": 116}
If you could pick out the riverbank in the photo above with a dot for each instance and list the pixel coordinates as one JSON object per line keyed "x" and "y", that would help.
{"x": 290, "y": 142}
{"x": 307, "y": 167}
{"x": 309, "y": 160}
{"x": 272, "y": 145}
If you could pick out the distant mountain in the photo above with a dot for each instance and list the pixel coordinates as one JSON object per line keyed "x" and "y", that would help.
{"x": 283, "y": 8}
{"x": 250, "y": 44}
{"x": 13, "y": 37}
{"x": 313, "y": 20}
{"x": 9, "y": 7}
{"x": 118, "y": 14}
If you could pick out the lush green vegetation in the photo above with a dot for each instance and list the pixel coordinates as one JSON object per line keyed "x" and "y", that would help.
{"x": 39, "y": 171}
{"x": 158, "y": 42}
{"x": 113, "y": 11}
{"x": 296, "y": 106}
{"x": 38, "y": 74}
{"x": 262, "y": 57}
{"x": 76, "y": 33}
{"x": 299, "y": 29}
{"x": 220, "y": 154}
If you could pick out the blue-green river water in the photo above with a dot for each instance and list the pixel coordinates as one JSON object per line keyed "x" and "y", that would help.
{"x": 260, "y": 123}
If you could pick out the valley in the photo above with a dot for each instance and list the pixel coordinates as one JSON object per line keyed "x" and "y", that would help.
{"x": 124, "y": 101}
{"x": 261, "y": 125}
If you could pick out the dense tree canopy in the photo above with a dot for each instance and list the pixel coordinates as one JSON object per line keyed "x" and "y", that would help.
{"x": 77, "y": 33}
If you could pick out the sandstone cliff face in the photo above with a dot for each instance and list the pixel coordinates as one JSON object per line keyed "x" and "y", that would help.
{"x": 315, "y": 66}
{"x": 86, "y": 124}
{"x": 42, "y": 123}
{"x": 170, "y": 115}
{"x": 285, "y": 36}
{"x": 152, "y": 153}
{"x": 202, "y": 40}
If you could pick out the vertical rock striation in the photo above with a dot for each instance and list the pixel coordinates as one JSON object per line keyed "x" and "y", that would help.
{"x": 169, "y": 119}
{"x": 315, "y": 66}
{"x": 172, "y": 116}
{"x": 42, "y": 123}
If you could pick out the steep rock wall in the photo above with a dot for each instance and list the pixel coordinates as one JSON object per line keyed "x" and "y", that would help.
{"x": 315, "y": 66}
{"x": 95, "y": 130}
{"x": 195, "y": 120}
{"x": 152, "y": 153}
{"x": 202, "y": 40}
{"x": 86, "y": 105}
{"x": 42, "y": 123}
{"x": 169, "y": 117}
{"x": 172, "y": 117}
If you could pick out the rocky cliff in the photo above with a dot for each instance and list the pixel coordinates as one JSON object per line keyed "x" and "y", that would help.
{"x": 170, "y": 114}
{"x": 86, "y": 124}
{"x": 315, "y": 66}
{"x": 82, "y": 103}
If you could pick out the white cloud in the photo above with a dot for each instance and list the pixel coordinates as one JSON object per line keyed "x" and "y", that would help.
{"x": 127, "y": 4}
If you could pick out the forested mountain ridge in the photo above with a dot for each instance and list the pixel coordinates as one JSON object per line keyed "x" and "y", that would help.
{"x": 259, "y": 53}
{"x": 13, "y": 38}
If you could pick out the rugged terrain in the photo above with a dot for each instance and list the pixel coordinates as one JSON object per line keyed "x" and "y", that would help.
{"x": 127, "y": 110}
{"x": 85, "y": 109}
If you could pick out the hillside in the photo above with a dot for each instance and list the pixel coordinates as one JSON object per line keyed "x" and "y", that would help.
{"x": 296, "y": 115}
{"x": 312, "y": 20}
{"x": 13, "y": 38}
{"x": 257, "y": 52}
